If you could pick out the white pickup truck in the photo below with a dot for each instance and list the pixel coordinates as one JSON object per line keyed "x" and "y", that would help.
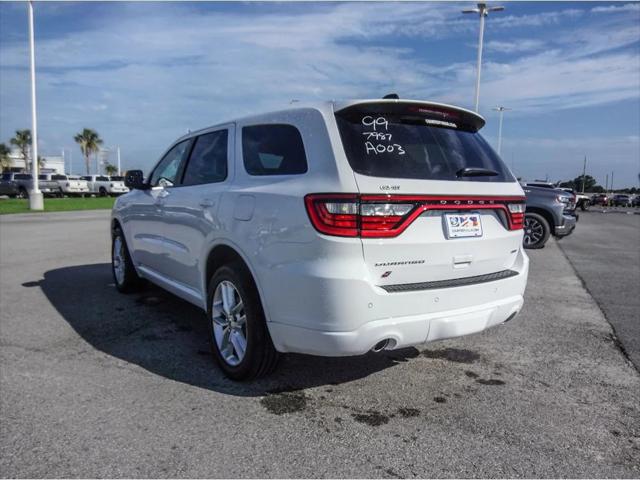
{"x": 103, "y": 185}
{"x": 70, "y": 185}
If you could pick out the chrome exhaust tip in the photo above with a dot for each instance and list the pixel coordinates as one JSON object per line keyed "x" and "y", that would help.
{"x": 381, "y": 345}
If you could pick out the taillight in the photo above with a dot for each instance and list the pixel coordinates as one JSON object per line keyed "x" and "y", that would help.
{"x": 516, "y": 215}
{"x": 377, "y": 216}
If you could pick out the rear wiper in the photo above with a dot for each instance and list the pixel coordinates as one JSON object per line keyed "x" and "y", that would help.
{"x": 476, "y": 172}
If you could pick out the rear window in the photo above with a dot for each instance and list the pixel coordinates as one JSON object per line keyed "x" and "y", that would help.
{"x": 418, "y": 142}
{"x": 273, "y": 150}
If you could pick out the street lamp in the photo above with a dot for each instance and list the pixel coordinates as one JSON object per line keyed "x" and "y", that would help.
{"x": 36, "y": 201}
{"x": 482, "y": 10}
{"x": 500, "y": 109}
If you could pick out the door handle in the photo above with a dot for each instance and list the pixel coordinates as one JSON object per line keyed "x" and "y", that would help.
{"x": 206, "y": 202}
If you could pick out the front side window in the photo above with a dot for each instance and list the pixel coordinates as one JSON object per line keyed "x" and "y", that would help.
{"x": 6, "y": 176}
{"x": 166, "y": 172}
{"x": 208, "y": 160}
{"x": 100, "y": 179}
{"x": 273, "y": 150}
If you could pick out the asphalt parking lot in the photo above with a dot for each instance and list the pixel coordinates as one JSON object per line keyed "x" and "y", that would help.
{"x": 94, "y": 383}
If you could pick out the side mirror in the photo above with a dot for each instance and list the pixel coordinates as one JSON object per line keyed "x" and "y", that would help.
{"x": 134, "y": 179}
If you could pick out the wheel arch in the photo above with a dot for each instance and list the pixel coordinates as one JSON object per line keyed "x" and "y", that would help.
{"x": 221, "y": 253}
{"x": 548, "y": 216}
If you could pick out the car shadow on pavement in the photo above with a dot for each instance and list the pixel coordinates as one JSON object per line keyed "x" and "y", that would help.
{"x": 168, "y": 336}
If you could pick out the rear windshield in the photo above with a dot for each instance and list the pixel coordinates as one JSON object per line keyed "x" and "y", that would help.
{"x": 406, "y": 141}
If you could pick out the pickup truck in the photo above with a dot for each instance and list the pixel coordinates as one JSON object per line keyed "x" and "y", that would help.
{"x": 69, "y": 185}
{"x": 549, "y": 211}
{"x": 23, "y": 183}
{"x": 103, "y": 185}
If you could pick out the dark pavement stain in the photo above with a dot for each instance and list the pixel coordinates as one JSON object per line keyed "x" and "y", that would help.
{"x": 439, "y": 399}
{"x": 285, "y": 402}
{"x": 372, "y": 418}
{"x": 453, "y": 355}
{"x": 491, "y": 381}
{"x": 151, "y": 337}
{"x": 149, "y": 300}
{"x": 338, "y": 420}
{"x": 471, "y": 374}
{"x": 408, "y": 412}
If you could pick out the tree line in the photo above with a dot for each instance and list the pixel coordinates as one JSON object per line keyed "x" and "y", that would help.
{"x": 88, "y": 140}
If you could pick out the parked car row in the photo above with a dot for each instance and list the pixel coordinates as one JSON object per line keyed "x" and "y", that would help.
{"x": 18, "y": 185}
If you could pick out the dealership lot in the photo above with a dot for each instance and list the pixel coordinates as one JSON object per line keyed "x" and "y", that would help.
{"x": 95, "y": 383}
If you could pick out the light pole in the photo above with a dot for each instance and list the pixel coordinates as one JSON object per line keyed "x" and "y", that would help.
{"x": 36, "y": 201}
{"x": 501, "y": 110}
{"x": 118, "y": 159}
{"x": 482, "y": 10}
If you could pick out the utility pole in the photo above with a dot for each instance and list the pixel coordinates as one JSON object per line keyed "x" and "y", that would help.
{"x": 36, "y": 201}
{"x": 611, "y": 186}
{"x": 584, "y": 172}
{"x": 606, "y": 184}
{"x": 501, "y": 111}
{"x": 482, "y": 10}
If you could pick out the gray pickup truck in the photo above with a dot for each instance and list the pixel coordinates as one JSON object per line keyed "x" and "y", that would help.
{"x": 549, "y": 211}
{"x": 23, "y": 183}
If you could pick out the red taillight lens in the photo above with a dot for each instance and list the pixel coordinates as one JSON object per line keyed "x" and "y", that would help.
{"x": 378, "y": 216}
{"x": 334, "y": 214}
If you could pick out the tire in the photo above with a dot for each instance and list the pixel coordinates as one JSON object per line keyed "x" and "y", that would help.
{"x": 102, "y": 191}
{"x": 22, "y": 193}
{"x": 536, "y": 231}
{"x": 584, "y": 205}
{"x": 60, "y": 194}
{"x": 235, "y": 283}
{"x": 124, "y": 273}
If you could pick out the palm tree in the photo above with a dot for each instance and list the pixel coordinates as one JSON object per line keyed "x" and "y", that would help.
{"x": 89, "y": 142}
{"x": 22, "y": 140}
{"x": 5, "y": 161}
{"x": 110, "y": 169}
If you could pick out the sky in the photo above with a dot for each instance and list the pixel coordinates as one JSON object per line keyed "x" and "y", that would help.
{"x": 143, "y": 74}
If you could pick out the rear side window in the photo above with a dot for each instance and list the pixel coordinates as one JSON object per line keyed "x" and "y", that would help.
{"x": 273, "y": 150}
{"x": 208, "y": 160}
{"x": 23, "y": 176}
{"x": 418, "y": 142}
{"x": 58, "y": 177}
{"x": 99, "y": 179}
{"x": 42, "y": 177}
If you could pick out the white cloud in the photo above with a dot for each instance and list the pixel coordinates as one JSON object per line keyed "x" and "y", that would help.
{"x": 628, "y": 7}
{"x": 514, "y": 46}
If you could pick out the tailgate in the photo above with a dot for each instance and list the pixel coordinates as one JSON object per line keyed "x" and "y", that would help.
{"x": 436, "y": 202}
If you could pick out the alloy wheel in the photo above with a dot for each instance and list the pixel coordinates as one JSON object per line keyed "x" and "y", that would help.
{"x": 118, "y": 259}
{"x": 533, "y": 231}
{"x": 229, "y": 323}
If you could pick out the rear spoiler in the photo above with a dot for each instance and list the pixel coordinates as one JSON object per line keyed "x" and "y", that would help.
{"x": 436, "y": 112}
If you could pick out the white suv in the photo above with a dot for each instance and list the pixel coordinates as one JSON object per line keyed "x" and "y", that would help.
{"x": 332, "y": 229}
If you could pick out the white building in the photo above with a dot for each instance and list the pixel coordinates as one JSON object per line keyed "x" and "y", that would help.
{"x": 52, "y": 163}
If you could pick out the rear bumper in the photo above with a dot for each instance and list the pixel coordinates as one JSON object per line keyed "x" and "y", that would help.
{"x": 409, "y": 318}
